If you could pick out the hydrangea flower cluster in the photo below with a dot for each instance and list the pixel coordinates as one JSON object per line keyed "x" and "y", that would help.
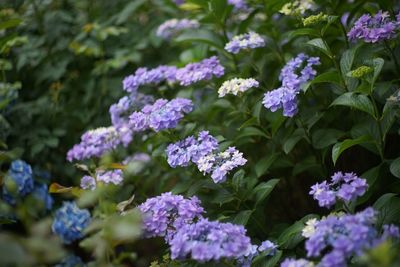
{"x": 163, "y": 114}
{"x": 20, "y": 174}
{"x": 145, "y": 76}
{"x": 94, "y": 143}
{"x": 205, "y": 240}
{"x": 137, "y": 157}
{"x": 70, "y": 221}
{"x": 173, "y": 26}
{"x": 220, "y": 164}
{"x": 41, "y": 193}
{"x": 252, "y": 251}
{"x": 165, "y": 214}
{"x": 293, "y": 76}
{"x": 249, "y": 40}
{"x": 239, "y": 5}
{"x": 346, "y": 187}
{"x": 88, "y": 182}
{"x": 298, "y": 7}
{"x": 200, "y": 71}
{"x": 374, "y": 29}
{"x": 110, "y": 177}
{"x": 236, "y": 86}
{"x": 341, "y": 237}
{"x": 190, "y": 149}
{"x": 297, "y": 263}
{"x": 121, "y": 110}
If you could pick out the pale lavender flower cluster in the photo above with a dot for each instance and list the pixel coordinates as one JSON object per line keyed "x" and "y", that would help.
{"x": 294, "y": 75}
{"x": 200, "y": 71}
{"x": 239, "y": 4}
{"x": 190, "y": 149}
{"x": 267, "y": 247}
{"x": 249, "y": 40}
{"x": 95, "y": 143}
{"x": 173, "y": 26}
{"x": 374, "y": 29}
{"x": 206, "y": 240}
{"x": 110, "y": 177}
{"x": 346, "y": 187}
{"x": 340, "y": 237}
{"x": 164, "y": 215}
{"x": 220, "y": 164}
{"x": 145, "y": 76}
{"x": 88, "y": 182}
{"x": 297, "y": 263}
{"x": 163, "y": 114}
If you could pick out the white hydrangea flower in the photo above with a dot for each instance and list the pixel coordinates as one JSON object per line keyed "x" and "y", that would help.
{"x": 297, "y": 7}
{"x": 309, "y": 229}
{"x": 236, "y": 85}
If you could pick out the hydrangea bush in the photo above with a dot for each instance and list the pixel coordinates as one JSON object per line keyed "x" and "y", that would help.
{"x": 217, "y": 152}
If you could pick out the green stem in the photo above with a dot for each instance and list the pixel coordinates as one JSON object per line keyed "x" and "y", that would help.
{"x": 381, "y": 144}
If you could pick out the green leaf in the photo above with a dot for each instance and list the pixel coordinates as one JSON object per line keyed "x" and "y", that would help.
{"x": 325, "y": 137}
{"x": 321, "y": 45}
{"x": 395, "y": 167}
{"x": 10, "y": 23}
{"x": 263, "y": 164}
{"x": 357, "y": 101}
{"x": 293, "y": 140}
{"x": 346, "y": 64}
{"x": 302, "y": 32}
{"x": 378, "y": 65}
{"x": 340, "y": 147}
{"x": 326, "y": 77}
{"x": 128, "y": 11}
{"x": 264, "y": 260}
{"x": 251, "y": 131}
{"x": 242, "y": 217}
{"x": 290, "y": 237}
{"x": 261, "y": 191}
{"x": 388, "y": 207}
{"x": 237, "y": 179}
{"x": 201, "y": 36}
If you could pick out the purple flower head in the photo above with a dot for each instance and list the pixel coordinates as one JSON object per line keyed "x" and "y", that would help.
{"x": 239, "y": 5}
{"x": 205, "y": 241}
{"x": 20, "y": 174}
{"x": 374, "y": 29}
{"x": 95, "y": 143}
{"x": 163, "y": 114}
{"x": 268, "y": 246}
{"x": 190, "y": 149}
{"x": 200, "y": 71}
{"x": 145, "y": 76}
{"x": 293, "y": 76}
{"x": 173, "y": 26}
{"x": 249, "y": 40}
{"x": 297, "y": 263}
{"x": 88, "y": 182}
{"x": 346, "y": 187}
{"x": 220, "y": 164}
{"x": 164, "y": 215}
{"x": 110, "y": 177}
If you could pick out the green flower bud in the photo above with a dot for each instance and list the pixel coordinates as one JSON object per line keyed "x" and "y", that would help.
{"x": 360, "y": 72}
{"x": 314, "y": 19}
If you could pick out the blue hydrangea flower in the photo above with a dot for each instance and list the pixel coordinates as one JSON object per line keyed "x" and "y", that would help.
{"x": 220, "y": 164}
{"x": 70, "y": 221}
{"x": 163, "y": 114}
{"x": 20, "y": 174}
{"x": 41, "y": 193}
{"x": 200, "y": 71}
{"x": 346, "y": 187}
{"x": 173, "y": 26}
{"x": 337, "y": 238}
{"x": 206, "y": 240}
{"x": 374, "y": 29}
{"x": 144, "y": 76}
{"x": 249, "y": 40}
{"x": 165, "y": 214}
{"x": 293, "y": 76}
{"x": 190, "y": 149}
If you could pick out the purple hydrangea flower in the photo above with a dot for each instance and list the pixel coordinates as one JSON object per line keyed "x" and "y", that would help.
{"x": 374, "y": 29}
{"x": 204, "y": 241}
{"x": 339, "y": 237}
{"x": 297, "y": 263}
{"x": 95, "y": 143}
{"x": 190, "y": 149}
{"x": 249, "y": 40}
{"x": 165, "y": 214}
{"x": 145, "y": 76}
{"x": 110, "y": 177}
{"x": 294, "y": 75}
{"x": 173, "y": 26}
{"x": 346, "y": 187}
{"x": 200, "y": 71}
{"x": 70, "y": 221}
{"x": 220, "y": 164}
{"x": 252, "y": 251}
{"x": 239, "y": 5}
{"x": 163, "y": 114}
{"x": 88, "y": 182}
{"x": 20, "y": 174}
